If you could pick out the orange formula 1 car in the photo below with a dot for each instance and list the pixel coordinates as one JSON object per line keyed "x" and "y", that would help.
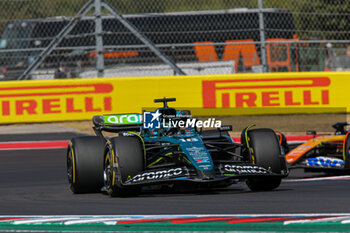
{"x": 330, "y": 153}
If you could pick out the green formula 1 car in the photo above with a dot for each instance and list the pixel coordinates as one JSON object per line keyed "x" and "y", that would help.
{"x": 167, "y": 148}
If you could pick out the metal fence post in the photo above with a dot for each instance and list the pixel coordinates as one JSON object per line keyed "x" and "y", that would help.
{"x": 262, "y": 36}
{"x": 99, "y": 39}
{"x": 56, "y": 40}
{"x": 143, "y": 39}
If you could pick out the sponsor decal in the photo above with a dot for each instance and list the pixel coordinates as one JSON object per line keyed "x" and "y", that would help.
{"x": 285, "y": 92}
{"x": 196, "y": 151}
{"x": 123, "y": 119}
{"x": 203, "y": 160}
{"x": 126, "y": 134}
{"x": 46, "y": 100}
{"x": 324, "y": 162}
{"x": 189, "y": 139}
{"x": 157, "y": 175}
{"x": 244, "y": 169}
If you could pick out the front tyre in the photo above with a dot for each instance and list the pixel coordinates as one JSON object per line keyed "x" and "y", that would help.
{"x": 124, "y": 158}
{"x": 265, "y": 152}
{"x": 85, "y": 164}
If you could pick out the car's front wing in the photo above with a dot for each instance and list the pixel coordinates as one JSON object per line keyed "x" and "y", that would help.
{"x": 222, "y": 172}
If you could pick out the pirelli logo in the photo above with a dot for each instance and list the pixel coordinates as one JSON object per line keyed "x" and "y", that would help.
{"x": 270, "y": 92}
{"x": 45, "y": 100}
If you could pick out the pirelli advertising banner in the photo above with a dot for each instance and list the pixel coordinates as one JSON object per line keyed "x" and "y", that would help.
{"x": 210, "y": 95}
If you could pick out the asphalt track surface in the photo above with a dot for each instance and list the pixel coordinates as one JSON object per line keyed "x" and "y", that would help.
{"x": 34, "y": 182}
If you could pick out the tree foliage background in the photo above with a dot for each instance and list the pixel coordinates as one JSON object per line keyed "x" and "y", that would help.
{"x": 314, "y": 19}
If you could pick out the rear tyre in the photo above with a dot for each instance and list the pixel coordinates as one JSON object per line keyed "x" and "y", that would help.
{"x": 85, "y": 164}
{"x": 124, "y": 158}
{"x": 266, "y": 153}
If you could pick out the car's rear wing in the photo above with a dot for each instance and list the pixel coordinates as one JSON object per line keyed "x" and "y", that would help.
{"x": 118, "y": 122}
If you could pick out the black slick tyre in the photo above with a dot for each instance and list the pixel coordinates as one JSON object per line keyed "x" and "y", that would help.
{"x": 85, "y": 164}
{"x": 124, "y": 158}
{"x": 266, "y": 153}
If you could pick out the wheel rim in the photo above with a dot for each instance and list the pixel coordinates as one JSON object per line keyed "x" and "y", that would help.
{"x": 70, "y": 166}
{"x": 107, "y": 173}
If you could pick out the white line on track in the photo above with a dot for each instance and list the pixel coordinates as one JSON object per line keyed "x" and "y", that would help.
{"x": 43, "y": 220}
{"x": 176, "y": 215}
{"x": 331, "y": 219}
{"x": 319, "y": 179}
{"x": 344, "y": 218}
{"x": 111, "y": 220}
{"x": 346, "y": 221}
{"x": 82, "y": 221}
{"x": 296, "y": 221}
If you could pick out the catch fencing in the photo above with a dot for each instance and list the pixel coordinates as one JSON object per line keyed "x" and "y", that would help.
{"x": 46, "y": 39}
